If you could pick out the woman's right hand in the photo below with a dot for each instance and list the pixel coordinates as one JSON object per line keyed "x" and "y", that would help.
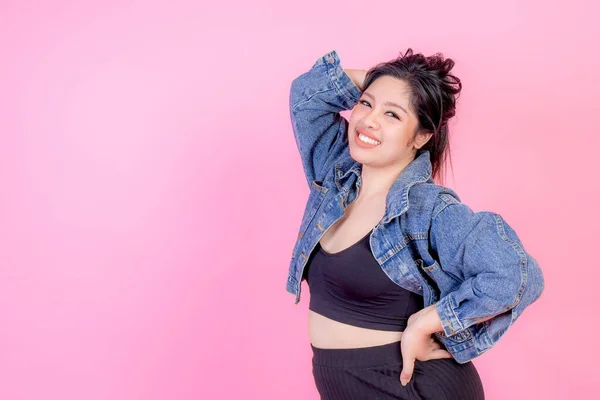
{"x": 357, "y": 76}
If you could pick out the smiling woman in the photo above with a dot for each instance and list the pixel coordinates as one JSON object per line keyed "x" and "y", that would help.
{"x": 418, "y": 95}
{"x": 382, "y": 245}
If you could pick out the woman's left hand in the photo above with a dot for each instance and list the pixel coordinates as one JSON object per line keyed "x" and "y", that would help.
{"x": 418, "y": 343}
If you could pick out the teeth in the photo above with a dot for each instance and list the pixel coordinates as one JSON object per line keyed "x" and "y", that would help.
{"x": 368, "y": 139}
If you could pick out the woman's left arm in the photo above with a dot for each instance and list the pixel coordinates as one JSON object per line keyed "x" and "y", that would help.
{"x": 496, "y": 275}
{"x": 486, "y": 255}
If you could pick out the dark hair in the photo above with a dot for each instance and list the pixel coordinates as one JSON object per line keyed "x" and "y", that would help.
{"x": 433, "y": 98}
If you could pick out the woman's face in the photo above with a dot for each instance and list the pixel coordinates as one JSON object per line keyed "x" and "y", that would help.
{"x": 382, "y": 125}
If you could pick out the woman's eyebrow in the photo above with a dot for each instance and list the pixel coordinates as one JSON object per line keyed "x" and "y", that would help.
{"x": 387, "y": 103}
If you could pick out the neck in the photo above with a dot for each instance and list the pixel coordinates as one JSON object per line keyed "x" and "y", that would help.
{"x": 376, "y": 181}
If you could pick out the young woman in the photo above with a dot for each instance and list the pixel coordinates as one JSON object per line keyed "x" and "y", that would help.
{"x": 407, "y": 284}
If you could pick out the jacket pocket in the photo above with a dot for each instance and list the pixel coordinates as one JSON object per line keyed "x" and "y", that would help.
{"x": 315, "y": 199}
{"x": 313, "y": 204}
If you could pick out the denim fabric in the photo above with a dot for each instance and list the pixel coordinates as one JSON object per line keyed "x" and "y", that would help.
{"x": 471, "y": 265}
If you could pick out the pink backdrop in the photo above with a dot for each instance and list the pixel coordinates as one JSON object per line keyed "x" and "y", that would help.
{"x": 146, "y": 219}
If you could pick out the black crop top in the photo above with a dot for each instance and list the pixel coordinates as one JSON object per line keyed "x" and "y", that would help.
{"x": 350, "y": 287}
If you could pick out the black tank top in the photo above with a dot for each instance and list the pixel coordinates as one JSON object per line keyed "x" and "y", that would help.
{"x": 350, "y": 287}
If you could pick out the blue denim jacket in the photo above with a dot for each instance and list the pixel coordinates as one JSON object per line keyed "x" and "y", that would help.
{"x": 471, "y": 265}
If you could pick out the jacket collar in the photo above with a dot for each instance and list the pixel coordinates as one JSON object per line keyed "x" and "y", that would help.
{"x": 418, "y": 171}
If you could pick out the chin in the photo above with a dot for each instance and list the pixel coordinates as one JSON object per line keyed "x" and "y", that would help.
{"x": 359, "y": 155}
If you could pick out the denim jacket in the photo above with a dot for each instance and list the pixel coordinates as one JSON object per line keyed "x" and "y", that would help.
{"x": 472, "y": 266}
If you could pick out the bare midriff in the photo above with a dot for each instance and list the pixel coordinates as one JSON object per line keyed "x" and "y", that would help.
{"x": 326, "y": 333}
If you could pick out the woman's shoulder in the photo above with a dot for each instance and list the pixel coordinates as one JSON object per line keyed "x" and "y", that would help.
{"x": 424, "y": 200}
{"x": 434, "y": 193}
{"x": 441, "y": 202}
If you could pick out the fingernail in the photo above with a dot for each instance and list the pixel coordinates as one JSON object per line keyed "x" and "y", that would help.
{"x": 403, "y": 383}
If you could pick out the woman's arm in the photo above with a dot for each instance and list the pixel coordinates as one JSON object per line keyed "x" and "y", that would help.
{"x": 485, "y": 254}
{"x": 316, "y": 99}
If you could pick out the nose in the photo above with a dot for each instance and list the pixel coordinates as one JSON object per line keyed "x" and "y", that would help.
{"x": 371, "y": 120}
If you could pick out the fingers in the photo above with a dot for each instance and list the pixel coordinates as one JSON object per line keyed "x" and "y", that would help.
{"x": 438, "y": 354}
{"x": 408, "y": 366}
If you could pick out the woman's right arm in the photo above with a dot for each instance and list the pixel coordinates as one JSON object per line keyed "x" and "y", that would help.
{"x": 316, "y": 99}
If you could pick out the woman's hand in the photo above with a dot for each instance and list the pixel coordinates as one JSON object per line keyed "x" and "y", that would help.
{"x": 418, "y": 343}
{"x": 357, "y": 76}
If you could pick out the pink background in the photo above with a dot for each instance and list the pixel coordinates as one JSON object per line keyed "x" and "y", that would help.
{"x": 150, "y": 189}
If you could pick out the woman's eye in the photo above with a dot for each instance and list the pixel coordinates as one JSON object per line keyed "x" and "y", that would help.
{"x": 365, "y": 103}
{"x": 393, "y": 115}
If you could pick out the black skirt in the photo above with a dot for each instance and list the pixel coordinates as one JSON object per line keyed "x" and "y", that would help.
{"x": 374, "y": 373}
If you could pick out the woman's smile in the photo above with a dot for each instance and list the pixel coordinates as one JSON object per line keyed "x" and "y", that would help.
{"x": 365, "y": 140}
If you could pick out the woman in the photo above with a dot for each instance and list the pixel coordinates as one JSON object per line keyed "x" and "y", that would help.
{"x": 407, "y": 284}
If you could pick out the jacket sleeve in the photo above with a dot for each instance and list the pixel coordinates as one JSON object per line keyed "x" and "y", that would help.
{"x": 485, "y": 255}
{"x": 316, "y": 98}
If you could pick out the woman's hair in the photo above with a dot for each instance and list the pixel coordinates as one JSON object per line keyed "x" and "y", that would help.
{"x": 433, "y": 98}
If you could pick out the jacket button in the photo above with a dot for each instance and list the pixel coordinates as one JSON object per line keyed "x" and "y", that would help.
{"x": 331, "y": 60}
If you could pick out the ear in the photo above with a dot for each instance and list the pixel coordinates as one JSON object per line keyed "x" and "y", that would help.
{"x": 421, "y": 139}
